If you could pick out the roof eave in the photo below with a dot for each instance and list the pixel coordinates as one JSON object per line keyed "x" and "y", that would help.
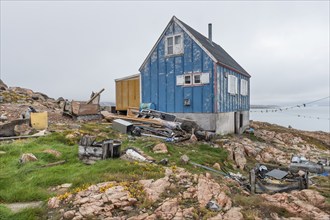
{"x": 231, "y": 68}
{"x": 128, "y": 77}
{"x": 155, "y": 45}
{"x": 195, "y": 40}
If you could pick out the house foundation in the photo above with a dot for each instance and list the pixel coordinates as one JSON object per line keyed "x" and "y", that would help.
{"x": 222, "y": 123}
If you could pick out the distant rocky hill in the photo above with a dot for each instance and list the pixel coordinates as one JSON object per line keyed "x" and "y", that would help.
{"x": 16, "y": 100}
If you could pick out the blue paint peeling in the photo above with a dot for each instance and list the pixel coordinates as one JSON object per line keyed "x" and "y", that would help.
{"x": 158, "y": 80}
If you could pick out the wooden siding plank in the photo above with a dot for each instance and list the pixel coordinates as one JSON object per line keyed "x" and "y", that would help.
{"x": 187, "y": 66}
{"x": 187, "y": 94}
{"x": 197, "y": 58}
{"x": 119, "y": 104}
{"x": 228, "y": 102}
{"x": 207, "y": 98}
{"x": 154, "y": 78}
{"x": 162, "y": 79}
{"x": 197, "y": 102}
{"x": 146, "y": 98}
{"x": 170, "y": 84}
{"x": 178, "y": 89}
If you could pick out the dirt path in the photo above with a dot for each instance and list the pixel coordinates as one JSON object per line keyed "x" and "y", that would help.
{"x": 17, "y": 207}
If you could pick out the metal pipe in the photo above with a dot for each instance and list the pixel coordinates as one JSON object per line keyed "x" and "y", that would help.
{"x": 210, "y": 32}
{"x": 208, "y": 168}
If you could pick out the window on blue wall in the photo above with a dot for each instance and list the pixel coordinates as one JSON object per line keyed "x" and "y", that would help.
{"x": 244, "y": 87}
{"x": 197, "y": 79}
{"x": 187, "y": 79}
{"x": 232, "y": 84}
{"x": 174, "y": 45}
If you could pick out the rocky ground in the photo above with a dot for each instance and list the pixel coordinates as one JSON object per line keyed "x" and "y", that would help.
{"x": 183, "y": 193}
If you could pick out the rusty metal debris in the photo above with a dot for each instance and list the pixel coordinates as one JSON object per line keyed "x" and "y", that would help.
{"x": 90, "y": 151}
{"x": 263, "y": 180}
{"x": 157, "y": 124}
{"x": 301, "y": 163}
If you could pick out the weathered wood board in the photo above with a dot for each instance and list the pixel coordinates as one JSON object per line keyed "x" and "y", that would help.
{"x": 80, "y": 108}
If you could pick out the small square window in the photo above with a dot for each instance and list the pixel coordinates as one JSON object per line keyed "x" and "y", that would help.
{"x": 187, "y": 79}
{"x": 197, "y": 79}
{"x": 174, "y": 44}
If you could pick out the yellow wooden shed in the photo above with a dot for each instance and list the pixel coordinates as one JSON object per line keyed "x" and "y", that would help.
{"x": 128, "y": 92}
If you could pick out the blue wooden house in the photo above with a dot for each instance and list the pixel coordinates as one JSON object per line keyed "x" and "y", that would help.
{"x": 191, "y": 76}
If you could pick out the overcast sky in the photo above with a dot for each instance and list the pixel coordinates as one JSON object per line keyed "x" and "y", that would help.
{"x": 71, "y": 48}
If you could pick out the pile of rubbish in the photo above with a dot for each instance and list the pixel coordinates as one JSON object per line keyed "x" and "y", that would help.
{"x": 301, "y": 163}
{"x": 30, "y": 122}
{"x": 84, "y": 110}
{"x": 269, "y": 179}
{"x": 90, "y": 150}
{"x": 158, "y": 124}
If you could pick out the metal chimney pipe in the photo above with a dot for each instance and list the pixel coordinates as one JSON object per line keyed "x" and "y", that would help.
{"x": 210, "y": 32}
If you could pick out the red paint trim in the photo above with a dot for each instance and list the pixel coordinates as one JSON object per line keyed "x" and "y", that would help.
{"x": 215, "y": 86}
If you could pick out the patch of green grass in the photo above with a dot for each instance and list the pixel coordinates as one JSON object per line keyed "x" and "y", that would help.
{"x": 30, "y": 181}
{"x": 255, "y": 206}
{"x": 26, "y": 214}
{"x": 4, "y": 212}
{"x": 252, "y": 137}
{"x": 322, "y": 184}
{"x": 197, "y": 152}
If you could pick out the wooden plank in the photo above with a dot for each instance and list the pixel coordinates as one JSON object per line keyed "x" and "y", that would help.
{"x": 55, "y": 163}
{"x": 131, "y": 111}
{"x": 94, "y": 97}
{"x": 136, "y": 95}
{"x": 88, "y": 109}
{"x": 125, "y": 92}
{"x": 119, "y": 99}
{"x": 109, "y": 116}
{"x": 20, "y": 137}
{"x": 75, "y": 107}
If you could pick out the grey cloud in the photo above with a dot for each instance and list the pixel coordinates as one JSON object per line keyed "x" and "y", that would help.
{"x": 71, "y": 48}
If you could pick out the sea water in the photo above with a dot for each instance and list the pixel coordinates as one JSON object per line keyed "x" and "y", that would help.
{"x": 309, "y": 118}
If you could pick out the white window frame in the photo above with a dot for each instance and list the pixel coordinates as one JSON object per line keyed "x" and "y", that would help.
{"x": 184, "y": 80}
{"x": 204, "y": 79}
{"x": 232, "y": 84}
{"x": 177, "y": 48}
{"x": 200, "y": 78}
{"x": 244, "y": 87}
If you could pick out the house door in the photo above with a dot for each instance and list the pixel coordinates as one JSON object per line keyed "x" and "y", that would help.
{"x": 236, "y": 122}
